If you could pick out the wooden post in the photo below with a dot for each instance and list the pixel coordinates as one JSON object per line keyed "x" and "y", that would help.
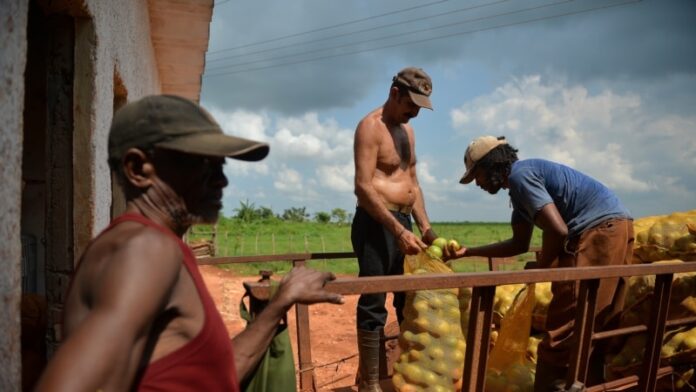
{"x": 478, "y": 339}
{"x": 304, "y": 345}
{"x": 323, "y": 248}
{"x": 214, "y": 239}
{"x": 656, "y": 332}
{"x": 227, "y": 244}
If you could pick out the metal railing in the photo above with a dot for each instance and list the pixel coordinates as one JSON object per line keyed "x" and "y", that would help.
{"x": 483, "y": 286}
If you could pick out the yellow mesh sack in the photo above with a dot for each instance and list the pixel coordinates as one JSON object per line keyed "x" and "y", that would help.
{"x": 665, "y": 237}
{"x": 431, "y": 341}
{"x": 502, "y": 301}
{"x": 639, "y": 294}
{"x": 508, "y": 364}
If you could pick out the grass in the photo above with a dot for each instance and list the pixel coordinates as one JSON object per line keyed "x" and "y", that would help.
{"x": 234, "y": 238}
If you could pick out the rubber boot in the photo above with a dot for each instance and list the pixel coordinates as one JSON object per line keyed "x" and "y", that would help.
{"x": 368, "y": 368}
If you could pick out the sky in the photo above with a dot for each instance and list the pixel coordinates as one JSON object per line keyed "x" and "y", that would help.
{"x": 606, "y": 87}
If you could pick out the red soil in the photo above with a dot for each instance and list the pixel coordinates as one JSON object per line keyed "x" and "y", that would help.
{"x": 333, "y": 334}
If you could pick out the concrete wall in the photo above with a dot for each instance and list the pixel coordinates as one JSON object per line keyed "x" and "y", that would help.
{"x": 121, "y": 52}
{"x": 13, "y": 20}
{"x": 113, "y": 42}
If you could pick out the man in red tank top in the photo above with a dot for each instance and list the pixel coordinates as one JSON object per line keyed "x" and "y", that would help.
{"x": 137, "y": 314}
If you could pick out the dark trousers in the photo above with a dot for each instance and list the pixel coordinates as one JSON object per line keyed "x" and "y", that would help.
{"x": 378, "y": 254}
{"x": 609, "y": 243}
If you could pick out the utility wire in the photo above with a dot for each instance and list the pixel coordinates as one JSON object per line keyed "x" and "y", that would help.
{"x": 361, "y": 31}
{"x": 397, "y": 35}
{"x": 327, "y": 27}
{"x": 425, "y": 40}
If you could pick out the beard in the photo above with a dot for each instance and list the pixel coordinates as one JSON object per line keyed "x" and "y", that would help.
{"x": 495, "y": 182}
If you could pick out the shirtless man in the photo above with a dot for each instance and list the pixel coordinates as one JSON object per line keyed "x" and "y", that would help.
{"x": 388, "y": 194}
{"x": 138, "y": 315}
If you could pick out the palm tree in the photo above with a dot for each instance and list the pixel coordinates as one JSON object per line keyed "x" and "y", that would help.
{"x": 246, "y": 211}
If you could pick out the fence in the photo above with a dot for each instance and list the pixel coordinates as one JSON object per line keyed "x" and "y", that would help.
{"x": 480, "y": 317}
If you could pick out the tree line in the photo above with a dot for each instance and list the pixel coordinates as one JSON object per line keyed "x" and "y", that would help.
{"x": 247, "y": 212}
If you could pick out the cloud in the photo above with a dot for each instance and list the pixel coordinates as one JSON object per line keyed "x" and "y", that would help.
{"x": 288, "y": 180}
{"x": 337, "y": 178}
{"x": 308, "y": 137}
{"x": 612, "y": 137}
{"x": 242, "y": 123}
{"x": 584, "y": 41}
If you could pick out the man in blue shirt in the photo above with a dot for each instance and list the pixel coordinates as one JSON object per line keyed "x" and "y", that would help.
{"x": 583, "y": 224}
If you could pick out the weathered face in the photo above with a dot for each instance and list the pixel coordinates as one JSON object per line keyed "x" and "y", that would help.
{"x": 197, "y": 181}
{"x": 483, "y": 181}
{"x": 407, "y": 109}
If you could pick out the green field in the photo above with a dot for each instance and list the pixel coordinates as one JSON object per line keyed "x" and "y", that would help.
{"x": 234, "y": 238}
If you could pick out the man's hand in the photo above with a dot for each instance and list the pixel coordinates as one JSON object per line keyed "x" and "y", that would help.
{"x": 429, "y": 236}
{"x": 409, "y": 243}
{"x": 306, "y": 286}
{"x": 449, "y": 253}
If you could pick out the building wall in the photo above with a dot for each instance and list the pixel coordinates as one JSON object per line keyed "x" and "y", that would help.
{"x": 112, "y": 43}
{"x": 13, "y": 21}
{"x": 112, "y": 48}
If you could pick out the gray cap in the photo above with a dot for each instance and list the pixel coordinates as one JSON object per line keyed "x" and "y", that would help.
{"x": 178, "y": 124}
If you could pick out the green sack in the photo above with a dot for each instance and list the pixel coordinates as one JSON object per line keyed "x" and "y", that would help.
{"x": 276, "y": 370}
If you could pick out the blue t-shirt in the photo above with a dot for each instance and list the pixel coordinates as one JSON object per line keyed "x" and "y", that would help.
{"x": 582, "y": 201}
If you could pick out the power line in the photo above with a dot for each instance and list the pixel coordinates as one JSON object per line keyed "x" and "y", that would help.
{"x": 361, "y": 31}
{"x": 327, "y": 27}
{"x": 424, "y": 40}
{"x": 399, "y": 35}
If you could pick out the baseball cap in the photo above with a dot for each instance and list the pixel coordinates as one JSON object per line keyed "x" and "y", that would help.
{"x": 176, "y": 123}
{"x": 418, "y": 83}
{"x": 478, "y": 149}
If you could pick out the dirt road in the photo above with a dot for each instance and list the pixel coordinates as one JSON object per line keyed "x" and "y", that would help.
{"x": 334, "y": 347}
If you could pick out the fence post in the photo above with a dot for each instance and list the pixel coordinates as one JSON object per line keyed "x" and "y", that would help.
{"x": 323, "y": 248}
{"x": 304, "y": 345}
{"x": 227, "y": 244}
{"x": 583, "y": 330}
{"x": 478, "y": 339}
{"x": 656, "y": 332}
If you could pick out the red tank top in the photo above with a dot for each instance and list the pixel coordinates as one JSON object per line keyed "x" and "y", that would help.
{"x": 206, "y": 363}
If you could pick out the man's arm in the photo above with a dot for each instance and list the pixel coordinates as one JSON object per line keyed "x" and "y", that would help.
{"x": 419, "y": 213}
{"x": 103, "y": 352}
{"x": 366, "y": 149}
{"x": 555, "y": 232}
{"x": 518, "y": 244}
{"x": 300, "y": 285}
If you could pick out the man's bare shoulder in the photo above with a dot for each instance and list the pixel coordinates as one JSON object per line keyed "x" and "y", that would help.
{"x": 120, "y": 269}
{"x": 131, "y": 241}
{"x": 370, "y": 123}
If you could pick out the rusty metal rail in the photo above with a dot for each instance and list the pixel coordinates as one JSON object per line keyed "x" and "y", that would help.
{"x": 483, "y": 290}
